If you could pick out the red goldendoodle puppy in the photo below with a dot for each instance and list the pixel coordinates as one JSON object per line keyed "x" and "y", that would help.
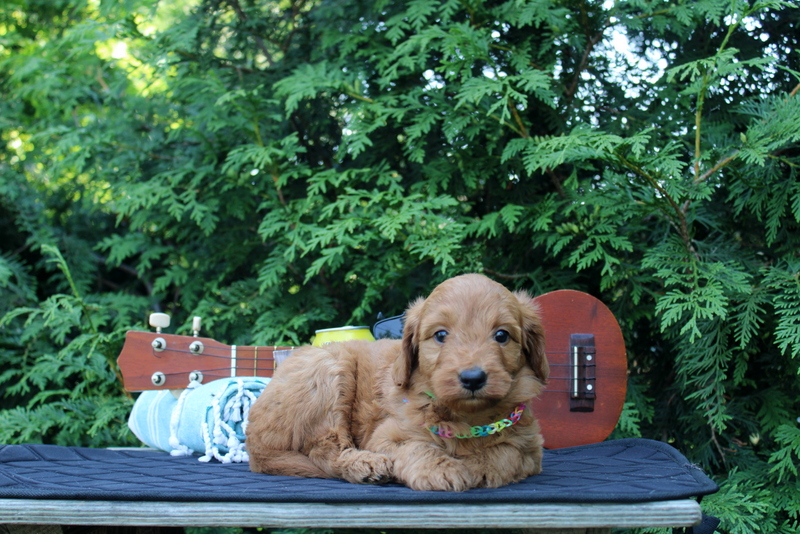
{"x": 443, "y": 409}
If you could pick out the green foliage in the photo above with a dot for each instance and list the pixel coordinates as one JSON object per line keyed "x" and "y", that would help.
{"x": 278, "y": 167}
{"x": 64, "y": 367}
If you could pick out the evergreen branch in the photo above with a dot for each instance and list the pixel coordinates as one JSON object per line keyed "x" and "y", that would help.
{"x": 522, "y": 130}
{"x": 125, "y": 268}
{"x": 785, "y": 161}
{"x": 274, "y": 167}
{"x": 259, "y": 41}
{"x": 584, "y": 61}
{"x": 470, "y": 10}
{"x": 522, "y": 133}
{"x": 720, "y": 164}
{"x": 149, "y": 154}
{"x": 351, "y": 93}
{"x": 275, "y": 179}
{"x": 583, "y": 64}
{"x": 701, "y": 96}
{"x": 530, "y": 63}
{"x": 654, "y": 13}
{"x": 682, "y": 224}
{"x": 557, "y": 182}
{"x": 725, "y": 161}
{"x": 698, "y": 119}
{"x": 64, "y": 268}
{"x": 297, "y": 8}
{"x": 222, "y": 62}
{"x": 257, "y": 132}
{"x": 717, "y": 445}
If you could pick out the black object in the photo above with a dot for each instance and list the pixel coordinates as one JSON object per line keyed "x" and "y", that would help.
{"x": 389, "y": 327}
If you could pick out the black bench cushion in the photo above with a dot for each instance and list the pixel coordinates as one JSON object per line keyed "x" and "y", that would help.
{"x": 620, "y": 471}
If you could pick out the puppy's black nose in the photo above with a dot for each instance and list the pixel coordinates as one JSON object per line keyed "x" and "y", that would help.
{"x": 473, "y": 379}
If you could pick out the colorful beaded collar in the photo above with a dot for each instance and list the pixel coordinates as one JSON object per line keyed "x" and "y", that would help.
{"x": 479, "y": 431}
{"x": 482, "y": 430}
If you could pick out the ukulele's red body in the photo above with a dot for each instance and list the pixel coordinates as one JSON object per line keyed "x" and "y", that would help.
{"x": 588, "y": 370}
{"x": 584, "y": 346}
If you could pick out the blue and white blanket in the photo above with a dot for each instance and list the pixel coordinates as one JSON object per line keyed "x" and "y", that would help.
{"x": 210, "y": 419}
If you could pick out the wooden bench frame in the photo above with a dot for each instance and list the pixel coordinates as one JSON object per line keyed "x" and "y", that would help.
{"x": 541, "y": 517}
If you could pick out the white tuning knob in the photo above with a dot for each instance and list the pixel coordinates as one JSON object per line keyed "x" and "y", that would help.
{"x": 196, "y": 325}
{"x": 159, "y": 321}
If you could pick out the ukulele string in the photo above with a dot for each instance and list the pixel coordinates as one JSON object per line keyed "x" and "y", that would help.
{"x": 227, "y": 356}
{"x": 274, "y": 349}
{"x": 242, "y": 357}
{"x": 223, "y": 372}
{"x": 208, "y": 374}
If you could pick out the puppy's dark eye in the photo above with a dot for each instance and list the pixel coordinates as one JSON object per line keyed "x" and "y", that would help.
{"x": 501, "y": 336}
{"x": 440, "y": 335}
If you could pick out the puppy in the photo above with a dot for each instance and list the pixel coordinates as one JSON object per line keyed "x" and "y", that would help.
{"x": 445, "y": 408}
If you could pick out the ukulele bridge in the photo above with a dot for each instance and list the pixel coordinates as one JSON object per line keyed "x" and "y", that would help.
{"x": 583, "y": 364}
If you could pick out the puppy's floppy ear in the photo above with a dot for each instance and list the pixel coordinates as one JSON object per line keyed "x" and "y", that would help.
{"x": 533, "y": 336}
{"x": 408, "y": 359}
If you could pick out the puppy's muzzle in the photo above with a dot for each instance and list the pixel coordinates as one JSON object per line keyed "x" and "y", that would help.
{"x": 473, "y": 379}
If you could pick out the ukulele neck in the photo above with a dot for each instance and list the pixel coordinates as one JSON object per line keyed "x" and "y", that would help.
{"x": 165, "y": 361}
{"x": 254, "y": 360}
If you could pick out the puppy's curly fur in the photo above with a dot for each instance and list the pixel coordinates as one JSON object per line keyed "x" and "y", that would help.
{"x": 362, "y": 411}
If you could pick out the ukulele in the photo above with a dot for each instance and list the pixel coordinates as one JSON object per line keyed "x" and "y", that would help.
{"x": 583, "y": 342}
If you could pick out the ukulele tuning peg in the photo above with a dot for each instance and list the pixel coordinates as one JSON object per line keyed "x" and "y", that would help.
{"x": 196, "y": 325}
{"x": 159, "y": 321}
{"x": 158, "y": 378}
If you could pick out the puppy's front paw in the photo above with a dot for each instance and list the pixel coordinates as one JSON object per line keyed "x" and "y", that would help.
{"x": 496, "y": 480}
{"x": 365, "y": 467}
{"x": 510, "y": 468}
{"x": 444, "y": 474}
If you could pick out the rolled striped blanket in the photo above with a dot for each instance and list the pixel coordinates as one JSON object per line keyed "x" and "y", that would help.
{"x": 210, "y": 419}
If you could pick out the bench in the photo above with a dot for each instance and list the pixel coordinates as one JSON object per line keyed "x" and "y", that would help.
{"x": 592, "y": 487}
{"x": 614, "y": 484}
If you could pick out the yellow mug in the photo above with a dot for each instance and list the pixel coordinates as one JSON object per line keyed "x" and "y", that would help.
{"x": 342, "y": 333}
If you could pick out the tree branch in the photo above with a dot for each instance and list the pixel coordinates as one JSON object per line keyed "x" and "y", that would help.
{"x": 557, "y": 182}
{"x": 720, "y": 164}
{"x": 573, "y": 88}
{"x": 701, "y": 97}
{"x": 682, "y": 224}
{"x": 223, "y": 63}
{"x": 523, "y": 132}
{"x": 259, "y": 41}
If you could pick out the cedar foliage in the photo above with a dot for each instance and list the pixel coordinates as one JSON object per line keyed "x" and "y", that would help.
{"x": 278, "y": 167}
